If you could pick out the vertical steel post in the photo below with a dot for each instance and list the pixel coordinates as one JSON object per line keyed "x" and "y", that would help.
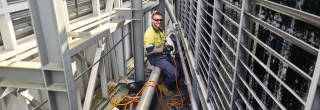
{"x": 213, "y": 48}
{"x": 22, "y": 102}
{"x": 96, "y": 7}
{"x": 215, "y": 29}
{"x": 313, "y": 98}
{"x": 240, "y": 54}
{"x": 197, "y": 39}
{"x": 49, "y": 25}
{"x": 162, "y": 9}
{"x": 137, "y": 39}
{"x": 6, "y": 29}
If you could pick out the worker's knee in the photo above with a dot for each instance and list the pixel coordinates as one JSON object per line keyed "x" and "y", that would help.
{"x": 169, "y": 80}
{"x": 171, "y": 77}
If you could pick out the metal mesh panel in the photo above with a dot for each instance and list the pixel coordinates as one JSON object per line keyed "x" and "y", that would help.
{"x": 15, "y": 1}
{"x": 102, "y": 4}
{"x": 255, "y": 54}
{"x": 22, "y": 23}
{"x": 79, "y": 8}
{"x": 188, "y": 17}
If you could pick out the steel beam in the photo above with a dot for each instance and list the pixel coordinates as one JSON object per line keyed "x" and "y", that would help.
{"x": 313, "y": 99}
{"x": 214, "y": 49}
{"x": 50, "y": 29}
{"x": 215, "y": 38}
{"x": 92, "y": 81}
{"x": 95, "y": 35}
{"x": 8, "y": 91}
{"x": 118, "y": 51}
{"x": 7, "y": 30}
{"x": 138, "y": 40}
{"x": 22, "y": 102}
{"x": 12, "y": 7}
{"x": 117, "y": 3}
{"x": 149, "y": 5}
{"x": 240, "y": 54}
{"x": 96, "y": 7}
{"x": 103, "y": 79}
{"x": 162, "y": 9}
{"x": 17, "y": 74}
{"x": 83, "y": 43}
{"x": 197, "y": 36}
{"x": 3, "y": 104}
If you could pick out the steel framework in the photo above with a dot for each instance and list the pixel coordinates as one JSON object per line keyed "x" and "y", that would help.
{"x": 58, "y": 78}
{"x": 243, "y": 54}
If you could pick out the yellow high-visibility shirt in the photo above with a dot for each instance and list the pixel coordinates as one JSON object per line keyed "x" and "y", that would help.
{"x": 151, "y": 37}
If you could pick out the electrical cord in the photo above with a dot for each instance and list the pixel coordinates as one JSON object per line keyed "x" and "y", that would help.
{"x": 174, "y": 101}
{"x": 135, "y": 99}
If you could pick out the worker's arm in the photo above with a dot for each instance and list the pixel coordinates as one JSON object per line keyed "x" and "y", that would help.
{"x": 151, "y": 49}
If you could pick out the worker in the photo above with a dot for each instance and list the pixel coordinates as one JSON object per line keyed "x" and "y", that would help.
{"x": 157, "y": 50}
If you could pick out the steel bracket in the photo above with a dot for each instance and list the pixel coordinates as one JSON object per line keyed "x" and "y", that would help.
{"x": 126, "y": 13}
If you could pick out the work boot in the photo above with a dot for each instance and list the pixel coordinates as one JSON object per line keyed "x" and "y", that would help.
{"x": 164, "y": 89}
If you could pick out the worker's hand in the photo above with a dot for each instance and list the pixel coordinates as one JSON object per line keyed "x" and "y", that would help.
{"x": 167, "y": 49}
{"x": 170, "y": 48}
{"x": 165, "y": 44}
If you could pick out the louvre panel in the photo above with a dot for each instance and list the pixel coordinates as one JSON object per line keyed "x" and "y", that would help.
{"x": 22, "y": 23}
{"x": 79, "y": 8}
{"x": 256, "y": 54}
{"x": 15, "y": 1}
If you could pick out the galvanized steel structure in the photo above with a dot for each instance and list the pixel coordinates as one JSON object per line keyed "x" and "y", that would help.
{"x": 48, "y": 50}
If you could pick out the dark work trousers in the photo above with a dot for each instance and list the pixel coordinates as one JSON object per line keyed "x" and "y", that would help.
{"x": 167, "y": 66}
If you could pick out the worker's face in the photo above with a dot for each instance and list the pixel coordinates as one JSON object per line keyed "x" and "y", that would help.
{"x": 156, "y": 21}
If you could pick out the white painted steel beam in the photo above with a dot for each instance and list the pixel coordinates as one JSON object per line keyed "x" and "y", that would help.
{"x": 313, "y": 99}
{"x": 13, "y": 7}
{"x": 103, "y": 79}
{"x": 3, "y": 104}
{"x": 6, "y": 28}
{"x": 92, "y": 80}
{"x": 22, "y": 102}
{"x": 96, "y": 7}
{"x": 7, "y": 91}
{"x": 50, "y": 29}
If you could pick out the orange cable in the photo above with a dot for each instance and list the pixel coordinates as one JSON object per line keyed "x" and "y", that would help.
{"x": 172, "y": 100}
{"x": 135, "y": 99}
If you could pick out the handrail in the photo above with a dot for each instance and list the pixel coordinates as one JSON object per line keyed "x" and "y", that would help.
{"x": 184, "y": 67}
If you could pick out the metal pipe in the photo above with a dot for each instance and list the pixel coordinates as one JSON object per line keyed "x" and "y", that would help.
{"x": 170, "y": 12}
{"x": 184, "y": 67}
{"x": 148, "y": 92}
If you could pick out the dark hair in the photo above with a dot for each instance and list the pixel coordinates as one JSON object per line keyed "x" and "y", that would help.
{"x": 155, "y": 12}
